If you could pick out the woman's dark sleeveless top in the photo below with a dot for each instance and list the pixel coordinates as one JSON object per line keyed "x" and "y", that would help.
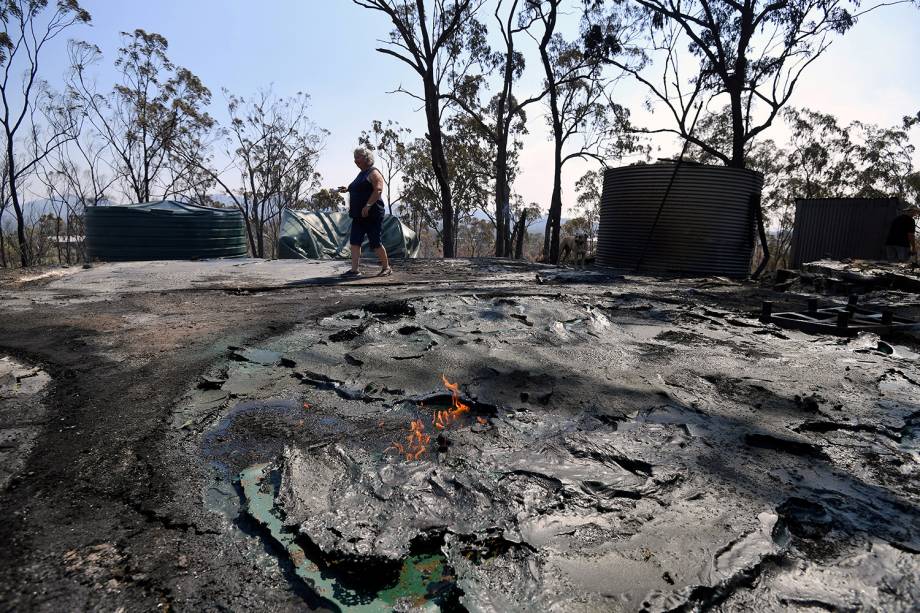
{"x": 358, "y": 193}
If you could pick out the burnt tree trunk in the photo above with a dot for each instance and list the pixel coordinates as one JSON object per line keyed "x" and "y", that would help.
{"x": 554, "y": 219}
{"x": 14, "y": 199}
{"x": 738, "y": 132}
{"x": 504, "y": 116}
{"x": 439, "y": 164}
{"x": 551, "y": 237}
{"x": 502, "y": 201}
{"x": 24, "y": 259}
{"x": 735, "y": 82}
{"x": 57, "y": 237}
{"x": 249, "y": 234}
{"x": 520, "y": 231}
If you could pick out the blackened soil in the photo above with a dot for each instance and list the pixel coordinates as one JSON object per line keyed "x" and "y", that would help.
{"x": 97, "y": 518}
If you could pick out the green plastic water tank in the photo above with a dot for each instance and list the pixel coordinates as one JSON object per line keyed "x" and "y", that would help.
{"x": 166, "y": 230}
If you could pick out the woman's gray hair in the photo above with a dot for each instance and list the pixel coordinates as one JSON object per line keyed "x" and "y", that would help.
{"x": 365, "y": 154}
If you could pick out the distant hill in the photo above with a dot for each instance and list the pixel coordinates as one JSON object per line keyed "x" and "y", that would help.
{"x": 32, "y": 210}
{"x": 540, "y": 226}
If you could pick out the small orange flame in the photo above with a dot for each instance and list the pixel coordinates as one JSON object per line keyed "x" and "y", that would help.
{"x": 481, "y": 421}
{"x": 417, "y": 441}
{"x": 442, "y": 419}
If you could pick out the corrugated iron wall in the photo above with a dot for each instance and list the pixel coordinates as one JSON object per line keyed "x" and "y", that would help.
{"x": 706, "y": 225}
{"x": 838, "y": 228}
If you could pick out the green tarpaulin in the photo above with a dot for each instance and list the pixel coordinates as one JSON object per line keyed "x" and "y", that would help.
{"x": 322, "y": 236}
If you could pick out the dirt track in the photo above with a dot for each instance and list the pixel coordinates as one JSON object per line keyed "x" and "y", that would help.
{"x": 99, "y": 516}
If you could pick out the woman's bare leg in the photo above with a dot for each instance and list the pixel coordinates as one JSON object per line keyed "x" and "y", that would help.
{"x": 355, "y": 257}
{"x": 381, "y": 252}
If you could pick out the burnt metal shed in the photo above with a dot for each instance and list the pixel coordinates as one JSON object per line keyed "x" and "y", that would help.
{"x": 838, "y": 228}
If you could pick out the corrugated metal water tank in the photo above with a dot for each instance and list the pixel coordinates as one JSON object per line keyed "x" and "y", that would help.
{"x": 706, "y": 224}
{"x": 166, "y": 230}
{"x": 838, "y": 228}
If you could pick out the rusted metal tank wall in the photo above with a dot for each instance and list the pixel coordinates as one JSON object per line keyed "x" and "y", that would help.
{"x": 706, "y": 225}
{"x": 837, "y": 228}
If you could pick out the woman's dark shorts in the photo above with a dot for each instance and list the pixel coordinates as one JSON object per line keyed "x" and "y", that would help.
{"x": 366, "y": 225}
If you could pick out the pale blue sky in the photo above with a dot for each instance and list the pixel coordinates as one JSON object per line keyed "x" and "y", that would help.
{"x": 326, "y": 48}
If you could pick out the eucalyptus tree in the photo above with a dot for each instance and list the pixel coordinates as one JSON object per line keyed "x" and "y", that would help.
{"x": 752, "y": 52}
{"x": 273, "y": 148}
{"x": 76, "y": 175}
{"x": 502, "y": 119}
{"x": 821, "y": 158}
{"x": 584, "y": 121}
{"x": 28, "y": 27}
{"x": 588, "y": 200}
{"x": 522, "y": 217}
{"x": 155, "y": 110}
{"x": 5, "y": 201}
{"x": 327, "y": 201}
{"x": 818, "y": 161}
{"x": 469, "y": 159}
{"x": 885, "y": 160}
{"x": 439, "y": 40}
{"x": 479, "y": 235}
{"x": 84, "y": 163}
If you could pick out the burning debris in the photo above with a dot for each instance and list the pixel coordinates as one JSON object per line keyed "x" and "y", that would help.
{"x": 417, "y": 441}
{"x": 627, "y": 453}
{"x": 444, "y": 418}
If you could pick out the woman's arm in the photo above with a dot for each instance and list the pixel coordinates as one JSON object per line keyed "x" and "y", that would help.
{"x": 376, "y": 181}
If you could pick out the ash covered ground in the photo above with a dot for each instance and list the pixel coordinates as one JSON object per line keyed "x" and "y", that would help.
{"x": 214, "y": 440}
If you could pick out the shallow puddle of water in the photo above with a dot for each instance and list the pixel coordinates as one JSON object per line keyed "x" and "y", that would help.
{"x": 424, "y": 582}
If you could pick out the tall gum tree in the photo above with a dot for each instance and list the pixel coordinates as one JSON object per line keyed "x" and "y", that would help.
{"x": 434, "y": 38}
{"x": 821, "y": 158}
{"x": 578, "y": 100}
{"x": 155, "y": 110}
{"x": 752, "y": 52}
{"x": 157, "y": 106}
{"x": 272, "y": 147}
{"x": 28, "y": 26}
{"x": 470, "y": 159}
{"x": 503, "y": 117}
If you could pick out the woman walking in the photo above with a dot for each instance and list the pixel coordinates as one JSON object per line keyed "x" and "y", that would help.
{"x": 366, "y": 210}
